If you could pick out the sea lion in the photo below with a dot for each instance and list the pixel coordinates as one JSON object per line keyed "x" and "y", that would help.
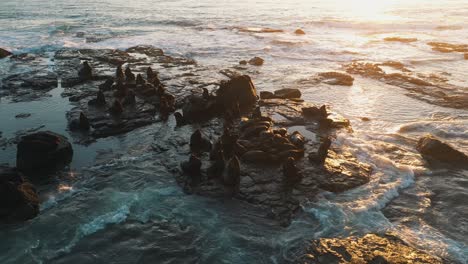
{"x": 100, "y": 99}
{"x": 192, "y": 168}
{"x": 291, "y": 174}
{"x": 297, "y": 139}
{"x": 119, "y": 73}
{"x": 180, "y": 120}
{"x": 116, "y": 108}
{"x": 216, "y": 170}
{"x": 84, "y": 122}
{"x": 198, "y": 143}
{"x": 140, "y": 80}
{"x": 231, "y": 177}
{"x": 150, "y": 74}
{"x": 86, "y": 72}
{"x": 322, "y": 152}
{"x": 129, "y": 76}
{"x": 206, "y": 94}
{"x": 107, "y": 85}
{"x": 257, "y": 113}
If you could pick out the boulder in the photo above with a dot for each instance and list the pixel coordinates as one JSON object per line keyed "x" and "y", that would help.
{"x": 238, "y": 90}
{"x": 18, "y": 198}
{"x": 299, "y": 32}
{"x": 433, "y": 149}
{"x": 43, "y": 152}
{"x": 266, "y": 95}
{"x": 288, "y": 93}
{"x": 256, "y": 61}
{"x": 4, "y": 53}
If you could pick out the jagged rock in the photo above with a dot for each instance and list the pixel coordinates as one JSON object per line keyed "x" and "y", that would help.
{"x": 4, "y": 53}
{"x": 336, "y": 78}
{"x": 43, "y": 152}
{"x": 86, "y": 72}
{"x": 257, "y": 61}
{"x": 288, "y": 93}
{"x": 299, "y": 32}
{"x": 18, "y": 198}
{"x": 239, "y": 90}
{"x": 368, "y": 249}
{"x": 433, "y": 149}
{"x": 199, "y": 143}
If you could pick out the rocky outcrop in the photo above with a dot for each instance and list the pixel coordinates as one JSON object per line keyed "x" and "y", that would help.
{"x": 288, "y": 93}
{"x": 18, "y": 198}
{"x": 43, "y": 152}
{"x": 368, "y": 249}
{"x": 336, "y": 78}
{"x": 434, "y": 150}
{"x": 239, "y": 90}
{"x": 4, "y": 53}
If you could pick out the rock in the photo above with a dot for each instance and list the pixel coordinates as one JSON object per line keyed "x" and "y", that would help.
{"x": 466, "y": 56}
{"x": 18, "y": 198}
{"x": 433, "y": 149}
{"x": 315, "y": 112}
{"x": 256, "y": 156}
{"x": 86, "y": 72}
{"x": 267, "y": 95}
{"x": 299, "y": 32}
{"x": 84, "y": 122}
{"x": 400, "y": 39}
{"x": 140, "y": 80}
{"x": 336, "y": 78}
{"x": 4, "y": 53}
{"x": 231, "y": 178}
{"x": 43, "y": 152}
{"x": 243, "y": 62}
{"x": 239, "y": 90}
{"x": 22, "y": 115}
{"x": 116, "y": 108}
{"x": 257, "y": 61}
{"x": 199, "y": 143}
{"x": 197, "y": 108}
{"x": 288, "y": 93}
{"x": 365, "y": 119}
{"x": 370, "y": 249}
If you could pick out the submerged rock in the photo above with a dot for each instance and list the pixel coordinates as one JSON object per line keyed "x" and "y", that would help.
{"x": 43, "y": 152}
{"x": 18, "y": 198}
{"x": 256, "y": 61}
{"x": 370, "y": 249}
{"x": 4, "y": 53}
{"x": 434, "y": 149}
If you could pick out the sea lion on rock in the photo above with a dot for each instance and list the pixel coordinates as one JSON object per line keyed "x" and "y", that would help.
{"x": 84, "y": 122}
{"x": 291, "y": 174}
{"x": 180, "y": 120}
{"x": 257, "y": 113}
{"x": 150, "y": 74}
{"x": 86, "y": 72}
{"x": 297, "y": 139}
{"x": 100, "y": 100}
{"x": 216, "y": 170}
{"x": 116, "y": 108}
{"x": 140, "y": 80}
{"x": 231, "y": 177}
{"x": 129, "y": 76}
{"x": 130, "y": 98}
{"x": 107, "y": 85}
{"x": 198, "y": 143}
{"x": 192, "y": 168}
{"x": 322, "y": 152}
{"x": 206, "y": 94}
{"x": 119, "y": 73}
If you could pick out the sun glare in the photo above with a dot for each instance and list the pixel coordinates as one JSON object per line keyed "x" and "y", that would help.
{"x": 366, "y": 9}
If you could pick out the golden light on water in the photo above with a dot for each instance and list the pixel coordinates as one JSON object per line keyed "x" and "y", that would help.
{"x": 373, "y": 10}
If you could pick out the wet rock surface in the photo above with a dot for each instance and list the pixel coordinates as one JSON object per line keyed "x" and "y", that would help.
{"x": 43, "y": 152}
{"x": 370, "y": 248}
{"x": 428, "y": 88}
{"x": 434, "y": 150}
{"x": 18, "y": 197}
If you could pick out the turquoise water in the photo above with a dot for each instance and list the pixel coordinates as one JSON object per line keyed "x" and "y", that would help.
{"x": 121, "y": 205}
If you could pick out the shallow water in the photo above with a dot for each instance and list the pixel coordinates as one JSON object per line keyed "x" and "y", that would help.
{"x": 120, "y": 204}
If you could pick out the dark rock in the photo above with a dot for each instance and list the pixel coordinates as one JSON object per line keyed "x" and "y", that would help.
{"x": 116, "y": 108}
{"x": 231, "y": 179}
{"x": 368, "y": 249}
{"x": 267, "y": 95}
{"x": 257, "y": 61}
{"x": 288, "y": 93}
{"x": 18, "y": 198}
{"x": 336, "y": 78}
{"x": 4, "y": 53}
{"x": 243, "y": 62}
{"x": 365, "y": 119}
{"x": 400, "y": 39}
{"x": 199, "y": 143}
{"x": 315, "y": 112}
{"x": 84, "y": 122}
{"x": 299, "y": 32}
{"x": 43, "y": 152}
{"x": 256, "y": 156}
{"x": 433, "y": 149}
{"x": 23, "y": 115}
{"x": 86, "y": 72}
{"x": 237, "y": 91}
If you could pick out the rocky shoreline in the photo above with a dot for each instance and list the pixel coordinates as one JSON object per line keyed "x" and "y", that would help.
{"x": 269, "y": 149}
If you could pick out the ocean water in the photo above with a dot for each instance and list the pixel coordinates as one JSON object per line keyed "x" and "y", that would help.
{"x": 121, "y": 205}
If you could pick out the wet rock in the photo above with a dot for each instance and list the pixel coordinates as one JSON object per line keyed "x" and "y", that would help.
{"x": 434, "y": 150}
{"x": 199, "y": 143}
{"x": 239, "y": 90}
{"x": 18, "y": 198}
{"x": 256, "y": 156}
{"x": 299, "y": 32}
{"x": 336, "y": 78}
{"x": 43, "y": 152}
{"x": 370, "y": 249}
{"x": 267, "y": 95}
{"x": 256, "y": 61}
{"x": 243, "y": 62}
{"x": 22, "y": 116}
{"x": 148, "y": 50}
{"x": 365, "y": 119}
{"x": 400, "y": 39}
{"x": 448, "y": 47}
{"x": 4, "y": 53}
{"x": 288, "y": 93}
{"x": 86, "y": 72}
